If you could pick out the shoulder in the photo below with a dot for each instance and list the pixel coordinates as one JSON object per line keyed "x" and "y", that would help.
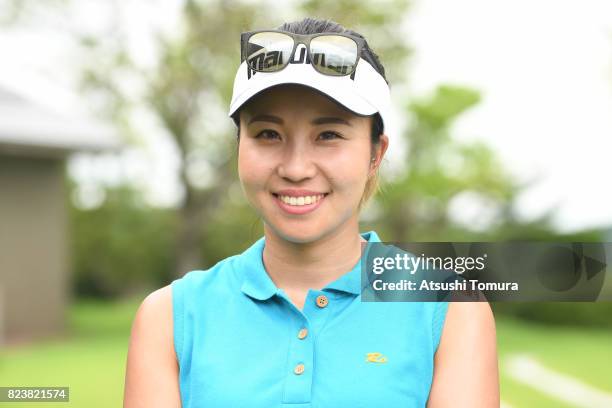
{"x": 152, "y": 325}
{"x": 152, "y": 368}
{"x": 466, "y": 358}
{"x": 156, "y": 305}
{"x": 468, "y": 321}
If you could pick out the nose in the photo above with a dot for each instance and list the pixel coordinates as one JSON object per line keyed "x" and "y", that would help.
{"x": 296, "y": 164}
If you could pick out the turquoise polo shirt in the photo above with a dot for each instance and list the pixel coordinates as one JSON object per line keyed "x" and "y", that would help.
{"x": 240, "y": 341}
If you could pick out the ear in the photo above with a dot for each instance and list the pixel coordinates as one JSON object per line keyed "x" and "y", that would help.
{"x": 380, "y": 150}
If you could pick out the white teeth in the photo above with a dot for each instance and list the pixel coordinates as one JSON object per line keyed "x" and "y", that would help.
{"x": 302, "y": 200}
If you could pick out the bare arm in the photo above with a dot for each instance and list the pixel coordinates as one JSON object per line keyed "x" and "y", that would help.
{"x": 151, "y": 378}
{"x": 466, "y": 371}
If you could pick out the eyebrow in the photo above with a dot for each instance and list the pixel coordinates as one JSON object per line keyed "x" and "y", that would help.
{"x": 318, "y": 121}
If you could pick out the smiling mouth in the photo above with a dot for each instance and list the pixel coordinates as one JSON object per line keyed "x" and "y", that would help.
{"x": 300, "y": 201}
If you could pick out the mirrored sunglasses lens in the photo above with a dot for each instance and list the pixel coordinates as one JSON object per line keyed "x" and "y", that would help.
{"x": 268, "y": 51}
{"x": 333, "y": 54}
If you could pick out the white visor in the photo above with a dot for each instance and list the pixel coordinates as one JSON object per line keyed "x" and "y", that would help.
{"x": 365, "y": 92}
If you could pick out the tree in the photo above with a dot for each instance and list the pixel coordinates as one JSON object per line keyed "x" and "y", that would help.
{"x": 187, "y": 90}
{"x": 438, "y": 168}
{"x": 194, "y": 77}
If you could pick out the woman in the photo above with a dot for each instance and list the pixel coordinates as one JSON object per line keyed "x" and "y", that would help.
{"x": 282, "y": 324}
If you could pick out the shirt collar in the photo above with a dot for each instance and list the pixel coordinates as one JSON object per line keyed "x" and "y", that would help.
{"x": 258, "y": 284}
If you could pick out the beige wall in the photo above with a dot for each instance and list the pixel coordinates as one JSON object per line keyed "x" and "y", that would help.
{"x": 33, "y": 247}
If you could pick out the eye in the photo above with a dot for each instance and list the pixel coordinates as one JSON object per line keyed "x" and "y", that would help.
{"x": 330, "y": 136}
{"x": 267, "y": 134}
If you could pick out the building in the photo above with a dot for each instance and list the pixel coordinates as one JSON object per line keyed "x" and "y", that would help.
{"x": 34, "y": 242}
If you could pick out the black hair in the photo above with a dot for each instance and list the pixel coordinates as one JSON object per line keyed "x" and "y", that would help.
{"x": 310, "y": 25}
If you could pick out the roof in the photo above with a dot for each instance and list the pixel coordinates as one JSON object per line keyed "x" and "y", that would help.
{"x": 29, "y": 129}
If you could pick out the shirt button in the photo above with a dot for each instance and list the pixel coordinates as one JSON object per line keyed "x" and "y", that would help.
{"x": 302, "y": 333}
{"x": 322, "y": 301}
{"x": 299, "y": 369}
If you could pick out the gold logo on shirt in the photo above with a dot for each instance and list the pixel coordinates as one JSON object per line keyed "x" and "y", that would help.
{"x": 375, "y": 358}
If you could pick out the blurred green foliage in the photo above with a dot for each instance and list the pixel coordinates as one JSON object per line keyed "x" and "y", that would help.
{"x": 121, "y": 246}
{"x": 579, "y": 314}
{"x": 125, "y": 246}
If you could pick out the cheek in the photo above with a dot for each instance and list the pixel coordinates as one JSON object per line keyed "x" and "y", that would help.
{"x": 349, "y": 170}
{"x": 252, "y": 171}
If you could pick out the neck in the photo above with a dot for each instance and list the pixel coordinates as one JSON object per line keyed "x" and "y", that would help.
{"x": 302, "y": 266}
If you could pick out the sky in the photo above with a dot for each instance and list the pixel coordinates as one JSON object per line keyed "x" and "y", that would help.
{"x": 544, "y": 70}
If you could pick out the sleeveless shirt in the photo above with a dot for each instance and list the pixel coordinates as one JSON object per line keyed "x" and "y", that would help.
{"x": 240, "y": 342}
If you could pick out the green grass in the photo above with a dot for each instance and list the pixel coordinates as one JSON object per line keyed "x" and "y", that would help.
{"x": 91, "y": 358}
{"x": 580, "y": 352}
{"x": 517, "y": 395}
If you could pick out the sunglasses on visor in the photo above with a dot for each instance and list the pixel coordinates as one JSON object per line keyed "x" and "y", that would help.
{"x": 334, "y": 54}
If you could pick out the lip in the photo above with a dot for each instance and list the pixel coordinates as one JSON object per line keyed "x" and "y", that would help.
{"x": 298, "y": 210}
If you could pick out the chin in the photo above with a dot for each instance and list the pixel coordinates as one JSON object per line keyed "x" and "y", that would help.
{"x": 298, "y": 233}
{"x": 301, "y": 235}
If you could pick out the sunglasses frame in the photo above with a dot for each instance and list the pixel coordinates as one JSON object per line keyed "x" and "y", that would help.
{"x": 300, "y": 39}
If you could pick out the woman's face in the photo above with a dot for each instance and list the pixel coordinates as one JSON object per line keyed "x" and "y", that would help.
{"x": 303, "y": 161}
